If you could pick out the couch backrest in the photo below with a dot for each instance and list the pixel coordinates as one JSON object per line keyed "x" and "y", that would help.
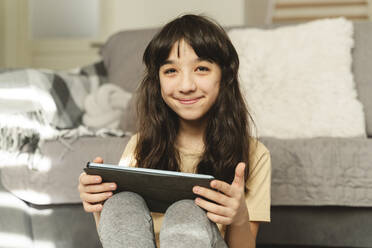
{"x": 122, "y": 56}
{"x": 362, "y": 68}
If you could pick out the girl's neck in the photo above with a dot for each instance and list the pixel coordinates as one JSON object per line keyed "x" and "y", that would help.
{"x": 190, "y": 135}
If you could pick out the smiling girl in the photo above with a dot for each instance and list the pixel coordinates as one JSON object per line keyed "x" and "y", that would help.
{"x": 192, "y": 118}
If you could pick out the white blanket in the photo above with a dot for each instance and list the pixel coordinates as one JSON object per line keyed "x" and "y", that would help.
{"x": 105, "y": 106}
{"x": 297, "y": 80}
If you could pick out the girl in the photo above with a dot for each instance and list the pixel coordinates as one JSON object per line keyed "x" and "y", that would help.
{"x": 192, "y": 118}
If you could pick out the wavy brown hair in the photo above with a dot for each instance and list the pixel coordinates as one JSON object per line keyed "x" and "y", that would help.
{"x": 228, "y": 130}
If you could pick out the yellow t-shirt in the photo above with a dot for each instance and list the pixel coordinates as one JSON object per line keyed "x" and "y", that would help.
{"x": 258, "y": 183}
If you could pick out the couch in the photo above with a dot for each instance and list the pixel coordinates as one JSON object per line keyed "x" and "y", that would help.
{"x": 58, "y": 220}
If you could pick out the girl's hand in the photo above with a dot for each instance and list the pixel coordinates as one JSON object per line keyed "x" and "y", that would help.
{"x": 231, "y": 208}
{"x": 93, "y": 192}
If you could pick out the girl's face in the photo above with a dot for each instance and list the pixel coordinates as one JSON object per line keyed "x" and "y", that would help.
{"x": 189, "y": 85}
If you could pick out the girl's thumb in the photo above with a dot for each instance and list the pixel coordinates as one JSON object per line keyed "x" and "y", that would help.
{"x": 98, "y": 160}
{"x": 239, "y": 174}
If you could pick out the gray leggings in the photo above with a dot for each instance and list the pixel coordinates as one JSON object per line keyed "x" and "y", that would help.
{"x": 126, "y": 222}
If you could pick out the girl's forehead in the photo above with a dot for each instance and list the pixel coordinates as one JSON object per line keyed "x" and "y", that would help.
{"x": 181, "y": 47}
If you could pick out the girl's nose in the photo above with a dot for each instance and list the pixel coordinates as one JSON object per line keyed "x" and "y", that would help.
{"x": 187, "y": 84}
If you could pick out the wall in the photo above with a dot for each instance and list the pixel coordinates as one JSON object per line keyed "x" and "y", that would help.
{"x": 66, "y": 19}
{"x": 258, "y": 12}
{"x": 15, "y": 39}
{"x": 307, "y": 10}
{"x": 2, "y": 34}
{"x": 127, "y": 15}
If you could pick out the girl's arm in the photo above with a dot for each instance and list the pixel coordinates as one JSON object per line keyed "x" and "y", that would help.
{"x": 97, "y": 216}
{"x": 242, "y": 236}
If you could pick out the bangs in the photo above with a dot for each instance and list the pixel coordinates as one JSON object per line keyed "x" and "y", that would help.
{"x": 203, "y": 37}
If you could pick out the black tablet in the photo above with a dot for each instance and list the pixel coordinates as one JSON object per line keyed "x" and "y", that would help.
{"x": 159, "y": 188}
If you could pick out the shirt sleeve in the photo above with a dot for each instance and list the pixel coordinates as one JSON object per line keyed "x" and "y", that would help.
{"x": 258, "y": 196}
{"x": 128, "y": 157}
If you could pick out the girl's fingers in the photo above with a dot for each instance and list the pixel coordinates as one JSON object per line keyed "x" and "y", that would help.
{"x": 89, "y": 179}
{"x": 92, "y": 207}
{"x": 95, "y": 198}
{"x": 212, "y": 195}
{"x": 237, "y": 186}
{"x": 98, "y": 188}
{"x": 223, "y": 187}
{"x": 212, "y": 207}
{"x": 219, "y": 219}
{"x": 92, "y": 184}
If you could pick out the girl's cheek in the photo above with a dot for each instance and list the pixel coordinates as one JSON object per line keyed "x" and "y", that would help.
{"x": 168, "y": 88}
{"x": 166, "y": 91}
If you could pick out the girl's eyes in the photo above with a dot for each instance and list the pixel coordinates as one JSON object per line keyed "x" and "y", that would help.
{"x": 169, "y": 71}
{"x": 203, "y": 68}
{"x": 199, "y": 68}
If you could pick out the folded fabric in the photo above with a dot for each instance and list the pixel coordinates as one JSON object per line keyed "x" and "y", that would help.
{"x": 58, "y": 95}
{"x": 105, "y": 106}
{"x": 37, "y": 104}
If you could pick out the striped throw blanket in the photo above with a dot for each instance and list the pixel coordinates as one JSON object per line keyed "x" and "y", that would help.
{"x": 38, "y": 105}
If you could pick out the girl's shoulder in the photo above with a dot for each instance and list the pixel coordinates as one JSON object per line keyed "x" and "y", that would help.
{"x": 133, "y": 139}
{"x": 131, "y": 145}
{"x": 127, "y": 158}
{"x": 257, "y": 151}
{"x": 256, "y": 146}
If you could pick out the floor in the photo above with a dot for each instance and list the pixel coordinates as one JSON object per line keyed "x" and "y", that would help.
{"x": 295, "y": 246}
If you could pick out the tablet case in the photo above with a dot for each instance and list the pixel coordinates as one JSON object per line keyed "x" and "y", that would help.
{"x": 159, "y": 188}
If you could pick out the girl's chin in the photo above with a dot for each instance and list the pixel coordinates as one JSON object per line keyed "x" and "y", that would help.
{"x": 192, "y": 118}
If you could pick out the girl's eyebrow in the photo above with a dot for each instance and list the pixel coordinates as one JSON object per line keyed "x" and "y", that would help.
{"x": 172, "y": 62}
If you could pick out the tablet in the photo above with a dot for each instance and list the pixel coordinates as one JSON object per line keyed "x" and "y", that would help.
{"x": 159, "y": 188}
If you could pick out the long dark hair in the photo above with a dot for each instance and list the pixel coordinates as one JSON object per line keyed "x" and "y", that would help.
{"x": 228, "y": 130}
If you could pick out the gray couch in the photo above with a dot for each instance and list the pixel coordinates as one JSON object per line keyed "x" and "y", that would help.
{"x": 325, "y": 220}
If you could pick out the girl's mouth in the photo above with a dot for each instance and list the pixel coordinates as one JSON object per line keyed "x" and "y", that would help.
{"x": 189, "y": 101}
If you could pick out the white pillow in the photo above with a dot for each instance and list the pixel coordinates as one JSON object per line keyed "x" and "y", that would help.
{"x": 297, "y": 80}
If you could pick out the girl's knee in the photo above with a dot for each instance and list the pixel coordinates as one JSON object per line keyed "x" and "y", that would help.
{"x": 185, "y": 208}
{"x": 124, "y": 218}
{"x": 125, "y": 207}
{"x": 182, "y": 205}
{"x": 126, "y": 203}
{"x": 187, "y": 223}
{"x": 124, "y": 198}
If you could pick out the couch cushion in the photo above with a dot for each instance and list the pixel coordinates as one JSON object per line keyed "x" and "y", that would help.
{"x": 321, "y": 171}
{"x": 64, "y": 226}
{"x": 56, "y": 179}
{"x": 296, "y": 86}
{"x": 362, "y": 64}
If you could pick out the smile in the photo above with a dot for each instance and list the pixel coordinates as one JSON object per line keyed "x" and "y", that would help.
{"x": 189, "y": 101}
